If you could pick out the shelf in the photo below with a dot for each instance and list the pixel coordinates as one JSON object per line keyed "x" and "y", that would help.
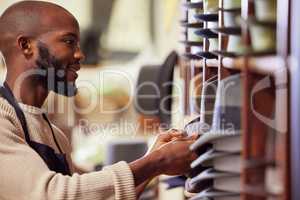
{"x": 197, "y": 63}
{"x": 233, "y": 63}
{"x": 209, "y": 63}
{"x": 268, "y": 65}
{"x": 212, "y": 62}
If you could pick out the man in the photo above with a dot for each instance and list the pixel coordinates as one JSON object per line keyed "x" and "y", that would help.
{"x": 40, "y": 43}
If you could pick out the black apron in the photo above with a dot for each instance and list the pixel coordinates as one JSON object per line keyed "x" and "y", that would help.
{"x": 55, "y": 162}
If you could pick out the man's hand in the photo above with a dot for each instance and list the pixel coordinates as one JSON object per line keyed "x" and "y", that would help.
{"x": 165, "y": 137}
{"x": 172, "y": 158}
{"x": 175, "y": 157}
{"x": 162, "y": 158}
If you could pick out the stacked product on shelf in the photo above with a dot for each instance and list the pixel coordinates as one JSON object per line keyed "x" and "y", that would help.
{"x": 209, "y": 17}
{"x": 224, "y": 138}
{"x": 230, "y": 29}
{"x": 190, "y": 71}
{"x": 263, "y": 27}
{"x": 191, "y": 24}
{"x": 201, "y": 125}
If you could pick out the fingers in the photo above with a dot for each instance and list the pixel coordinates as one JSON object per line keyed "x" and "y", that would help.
{"x": 183, "y": 134}
{"x": 171, "y": 134}
{"x": 194, "y": 156}
{"x": 177, "y": 133}
{"x": 191, "y": 156}
{"x": 194, "y": 136}
{"x": 164, "y": 137}
{"x": 189, "y": 140}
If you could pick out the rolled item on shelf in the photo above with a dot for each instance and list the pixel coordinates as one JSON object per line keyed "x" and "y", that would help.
{"x": 192, "y": 36}
{"x": 213, "y": 44}
{"x": 263, "y": 37}
{"x": 232, "y": 4}
{"x": 232, "y": 23}
{"x": 231, "y": 18}
{"x": 196, "y": 49}
{"x": 192, "y": 12}
{"x": 235, "y": 44}
{"x": 212, "y": 24}
{"x": 210, "y": 6}
{"x": 265, "y": 10}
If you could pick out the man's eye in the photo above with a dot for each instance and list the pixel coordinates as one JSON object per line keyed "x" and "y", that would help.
{"x": 69, "y": 41}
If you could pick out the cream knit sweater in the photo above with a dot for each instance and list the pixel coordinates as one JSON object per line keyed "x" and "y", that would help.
{"x": 25, "y": 176}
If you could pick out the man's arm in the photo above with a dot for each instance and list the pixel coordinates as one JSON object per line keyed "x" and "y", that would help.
{"x": 24, "y": 175}
{"x": 146, "y": 168}
{"x": 173, "y": 158}
{"x": 162, "y": 139}
{"x": 21, "y": 163}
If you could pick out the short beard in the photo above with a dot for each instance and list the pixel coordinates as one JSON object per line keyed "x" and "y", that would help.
{"x": 55, "y": 79}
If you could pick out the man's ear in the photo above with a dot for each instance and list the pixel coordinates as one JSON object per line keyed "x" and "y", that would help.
{"x": 25, "y": 45}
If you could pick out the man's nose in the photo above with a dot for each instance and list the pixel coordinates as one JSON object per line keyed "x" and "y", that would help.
{"x": 79, "y": 55}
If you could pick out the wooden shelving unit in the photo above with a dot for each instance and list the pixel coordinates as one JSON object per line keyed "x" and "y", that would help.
{"x": 255, "y": 132}
{"x": 267, "y": 65}
{"x": 212, "y": 63}
{"x": 272, "y": 100}
{"x": 209, "y": 63}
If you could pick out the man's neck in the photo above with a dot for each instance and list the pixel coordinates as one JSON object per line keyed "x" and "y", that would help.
{"x": 28, "y": 92}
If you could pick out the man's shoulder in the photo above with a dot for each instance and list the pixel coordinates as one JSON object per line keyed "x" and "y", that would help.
{"x": 6, "y": 110}
{"x": 8, "y": 117}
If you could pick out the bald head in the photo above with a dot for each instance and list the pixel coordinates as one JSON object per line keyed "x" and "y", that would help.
{"x": 30, "y": 19}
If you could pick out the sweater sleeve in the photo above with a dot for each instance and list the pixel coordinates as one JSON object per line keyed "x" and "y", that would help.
{"x": 24, "y": 175}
